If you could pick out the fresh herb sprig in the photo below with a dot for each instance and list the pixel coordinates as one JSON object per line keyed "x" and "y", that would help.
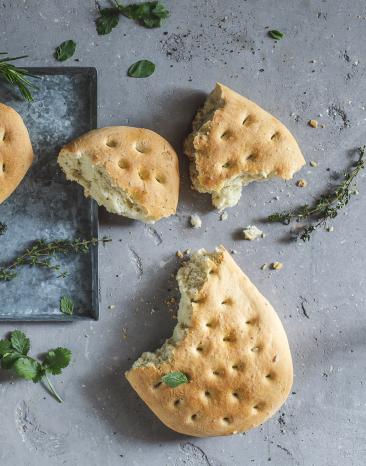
{"x": 17, "y": 77}
{"x": 149, "y": 14}
{"x": 14, "y": 355}
{"x": 41, "y": 253}
{"x": 327, "y": 206}
{"x": 3, "y": 228}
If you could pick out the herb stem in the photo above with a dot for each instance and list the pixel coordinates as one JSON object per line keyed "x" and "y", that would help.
{"x": 52, "y": 389}
{"x": 326, "y": 206}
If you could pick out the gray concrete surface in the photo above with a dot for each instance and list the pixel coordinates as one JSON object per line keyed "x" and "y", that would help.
{"x": 318, "y": 69}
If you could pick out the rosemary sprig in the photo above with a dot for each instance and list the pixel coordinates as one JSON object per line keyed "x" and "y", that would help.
{"x": 3, "y": 228}
{"x": 41, "y": 253}
{"x": 327, "y": 206}
{"x": 17, "y": 76}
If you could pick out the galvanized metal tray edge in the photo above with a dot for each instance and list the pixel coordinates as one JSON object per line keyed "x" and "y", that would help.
{"x": 94, "y": 312}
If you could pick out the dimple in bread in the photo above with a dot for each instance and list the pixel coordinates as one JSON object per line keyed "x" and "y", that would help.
{"x": 16, "y": 153}
{"x": 230, "y": 344}
{"x": 235, "y": 142}
{"x": 130, "y": 171}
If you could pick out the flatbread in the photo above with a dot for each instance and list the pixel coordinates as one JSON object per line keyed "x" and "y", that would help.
{"x": 230, "y": 344}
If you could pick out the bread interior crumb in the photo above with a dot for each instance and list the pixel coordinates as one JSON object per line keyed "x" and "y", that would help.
{"x": 191, "y": 278}
{"x": 100, "y": 186}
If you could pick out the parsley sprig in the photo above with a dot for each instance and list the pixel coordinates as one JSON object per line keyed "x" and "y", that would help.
{"x": 14, "y": 355}
{"x": 18, "y": 77}
{"x": 327, "y": 206}
{"x": 41, "y": 253}
{"x": 149, "y": 14}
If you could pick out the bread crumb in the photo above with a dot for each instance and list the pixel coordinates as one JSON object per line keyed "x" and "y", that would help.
{"x": 179, "y": 254}
{"x": 111, "y": 306}
{"x": 251, "y": 232}
{"x": 330, "y": 229}
{"x": 313, "y": 123}
{"x": 313, "y": 163}
{"x": 224, "y": 216}
{"x": 301, "y": 183}
{"x": 264, "y": 266}
{"x": 276, "y": 265}
{"x": 187, "y": 252}
{"x": 196, "y": 222}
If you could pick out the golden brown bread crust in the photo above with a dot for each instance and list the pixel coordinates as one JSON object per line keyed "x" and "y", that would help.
{"x": 16, "y": 153}
{"x": 235, "y": 138}
{"x": 235, "y": 353}
{"x": 137, "y": 160}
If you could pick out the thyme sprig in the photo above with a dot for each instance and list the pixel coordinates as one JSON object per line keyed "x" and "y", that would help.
{"x": 41, "y": 253}
{"x": 17, "y": 76}
{"x": 327, "y": 206}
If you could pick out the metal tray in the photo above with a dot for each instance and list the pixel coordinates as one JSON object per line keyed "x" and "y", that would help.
{"x": 47, "y": 206}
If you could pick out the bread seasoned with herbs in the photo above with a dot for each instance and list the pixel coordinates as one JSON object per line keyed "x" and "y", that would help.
{"x": 235, "y": 142}
{"x": 16, "y": 153}
{"x": 132, "y": 172}
{"x": 230, "y": 347}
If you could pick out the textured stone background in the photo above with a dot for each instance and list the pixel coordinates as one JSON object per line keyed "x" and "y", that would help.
{"x": 317, "y": 71}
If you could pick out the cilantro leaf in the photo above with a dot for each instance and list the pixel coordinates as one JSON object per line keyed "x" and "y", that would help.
{"x": 28, "y": 368}
{"x": 20, "y": 342}
{"x": 141, "y": 69}
{"x": 65, "y": 50}
{"x": 13, "y": 355}
{"x": 9, "y": 359}
{"x": 66, "y": 305}
{"x": 56, "y": 360}
{"x": 108, "y": 19}
{"x": 5, "y": 347}
{"x": 174, "y": 379}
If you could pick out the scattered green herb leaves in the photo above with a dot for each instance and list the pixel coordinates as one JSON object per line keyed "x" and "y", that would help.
{"x": 14, "y": 355}
{"x": 141, "y": 69}
{"x": 327, "y": 206}
{"x": 65, "y": 50}
{"x": 174, "y": 379}
{"x": 17, "y": 77}
{"x": 149, "y": 14}
{"x": 40, "y": 254}
{"x": 108, "y": 19}
{"x": 277, "y": 35}
{"x": 3, "y": 228}
{"x": 66, "y": 305}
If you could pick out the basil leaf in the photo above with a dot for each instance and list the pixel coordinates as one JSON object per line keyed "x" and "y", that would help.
{"x": 174, "y": 379}
{"x": 277, "y": 35}
{"x": 109, "y": 18}
{"x": 141, "y": 69}
{"x": 66, "y": 305}
{"x": 151, "y": 14}
{"x": 65, "y": 50}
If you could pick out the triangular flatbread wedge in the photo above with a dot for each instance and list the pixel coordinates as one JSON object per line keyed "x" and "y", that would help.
{"x": 235, "y": 142}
